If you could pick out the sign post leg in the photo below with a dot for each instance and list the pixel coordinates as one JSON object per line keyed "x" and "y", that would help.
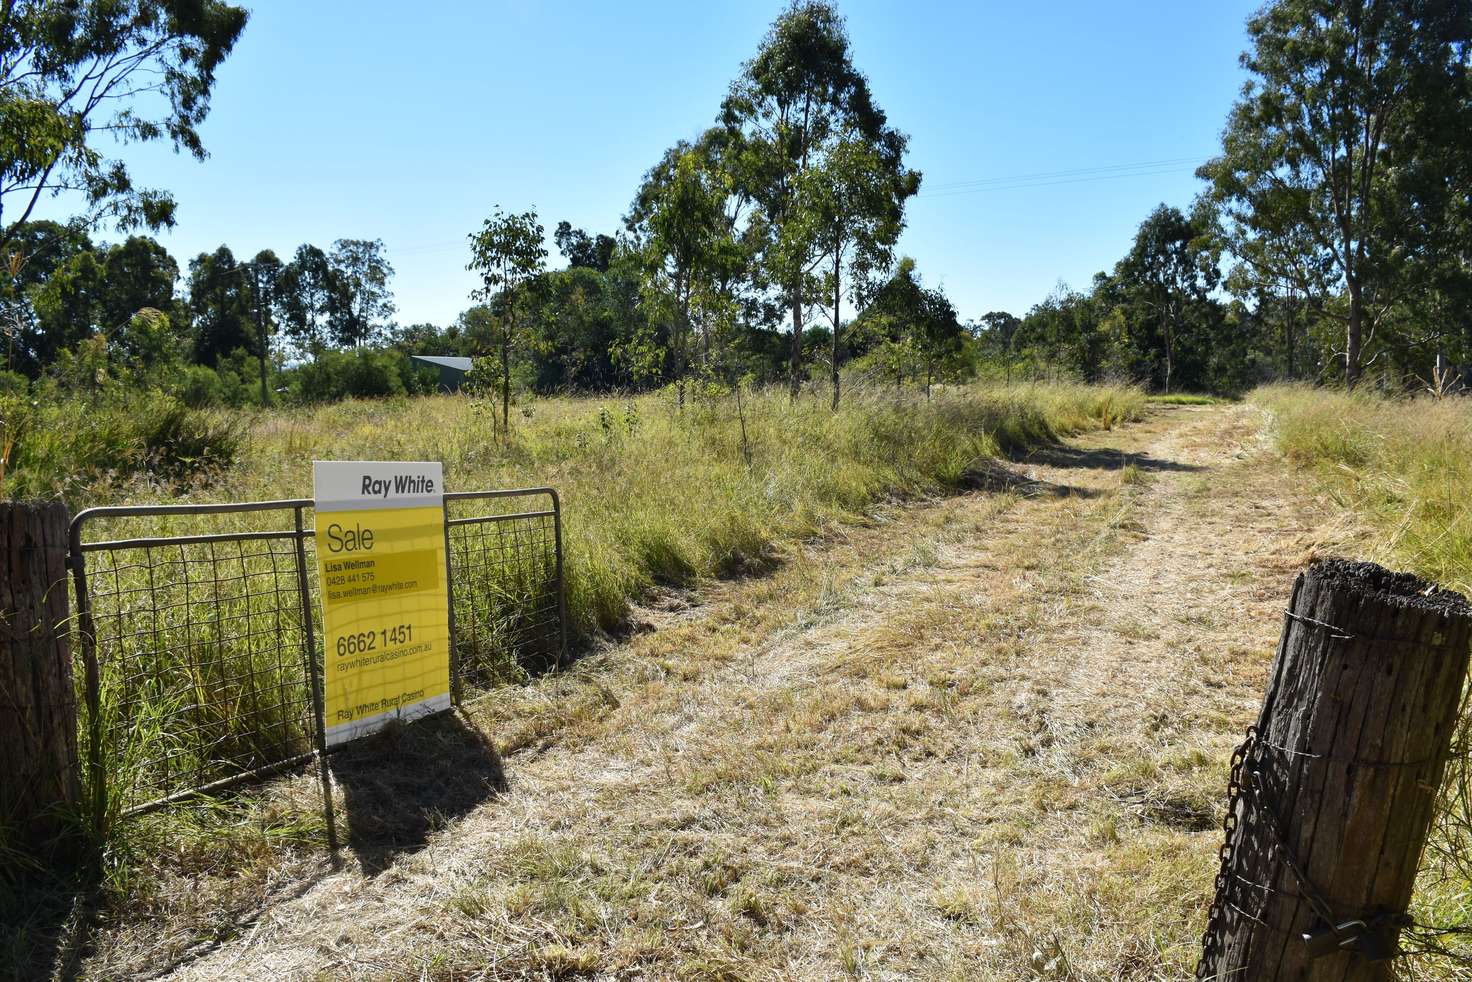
{"x": 314, "y": 674}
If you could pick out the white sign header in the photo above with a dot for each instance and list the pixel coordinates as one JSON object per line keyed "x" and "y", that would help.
{"x": 353, "y": 485}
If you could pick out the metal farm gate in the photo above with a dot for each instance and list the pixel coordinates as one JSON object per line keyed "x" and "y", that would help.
{"x": 199, "y": 653}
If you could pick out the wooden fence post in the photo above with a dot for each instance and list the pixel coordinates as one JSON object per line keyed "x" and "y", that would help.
{"x": 38, "y": 706}
{"x": 1332, "y": 794}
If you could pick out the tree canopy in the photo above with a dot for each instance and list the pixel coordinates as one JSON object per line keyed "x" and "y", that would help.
{"x": 1315, "y": 187}
{"x": 72, "y": 71}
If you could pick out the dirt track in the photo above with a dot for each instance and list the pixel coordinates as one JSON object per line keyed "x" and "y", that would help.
{"x": 983, "y": 737}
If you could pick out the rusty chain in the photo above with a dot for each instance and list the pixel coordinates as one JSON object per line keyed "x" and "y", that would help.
{"x": 1207, "y": 962}
{"x": 1329, "y": 937}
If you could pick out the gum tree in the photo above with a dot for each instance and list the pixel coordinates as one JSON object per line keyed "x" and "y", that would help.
{"x": 793, "y": 102}
{"x": 1342, "y": 95}
{"x": 363, "y": 272}
{"x": 679, "y": 219}
{"x": 310, "y": 296}
{"x": 1169, "y": 276}
{"x": 855, "y": 204}
{"x": 508, "y": 253}
{"x": 72, "y": 71}
{"x": 265, "y": 273}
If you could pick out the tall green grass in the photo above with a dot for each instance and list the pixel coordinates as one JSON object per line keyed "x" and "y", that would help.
{"x": 1185, "y": 399}
{"x": 89, "y": 448}
{"x": 655, "y": 496}
{"x": 1405, "y": 465}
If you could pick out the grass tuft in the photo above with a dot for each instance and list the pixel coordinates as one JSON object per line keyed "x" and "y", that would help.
{"x": 1403, "y": 464}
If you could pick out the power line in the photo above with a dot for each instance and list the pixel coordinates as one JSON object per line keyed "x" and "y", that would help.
{"x": 1076, "y": 172}
{"x": 1048, "y": 184}
{"x": 1023, "y": 184}
{"x": 1014, "y": 182}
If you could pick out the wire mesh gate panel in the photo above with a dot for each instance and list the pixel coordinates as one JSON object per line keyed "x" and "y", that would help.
{"x": 507, "y": 599}
{"x": 198, "y": 650}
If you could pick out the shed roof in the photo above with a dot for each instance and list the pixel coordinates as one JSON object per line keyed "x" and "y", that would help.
{"x": 445, "y": 361}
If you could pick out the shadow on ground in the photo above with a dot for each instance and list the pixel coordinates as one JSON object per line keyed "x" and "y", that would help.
{"x": 46, "y": 926}
{"x": 405, "y": 783}
{"x": 995, "y": 476}
{"x": 1103, "y": 459}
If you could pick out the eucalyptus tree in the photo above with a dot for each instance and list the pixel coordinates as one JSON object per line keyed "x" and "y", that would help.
{"x": 999, "y": 329}
{"x": 71, "y": 71}
{"x": 584, "y": 250}
{"x": 221, "y": 303}
{"x": 855, "y": 202}
{"x": 508, "y": 253}
{"x": 1169, "y": 274}
{"x": 310, "y": 298}
{"x": 679, "y": 222}
{"x": 912, "y": 322}
{"x": 96, "y": 291}
{"x": 266, "y": 273}
{"x": 1341, "y": 94}
{"x": 363, "y": 272}
{"x": 797, "y": 98}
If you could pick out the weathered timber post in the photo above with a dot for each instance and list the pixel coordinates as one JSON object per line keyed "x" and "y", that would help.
{"x": 38, "y": 705}
{"x": 1332, "y": 794}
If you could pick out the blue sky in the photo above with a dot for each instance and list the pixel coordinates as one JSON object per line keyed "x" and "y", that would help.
{"x": 408, "y": 122}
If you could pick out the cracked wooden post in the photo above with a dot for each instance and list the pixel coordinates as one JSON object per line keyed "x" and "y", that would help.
{"x": 1339, "y": 783}
{"x": 39, "y": 776}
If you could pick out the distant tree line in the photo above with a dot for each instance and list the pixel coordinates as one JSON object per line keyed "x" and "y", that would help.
{"x": 221, "y": 330}
{"x": 1334, "y": 240}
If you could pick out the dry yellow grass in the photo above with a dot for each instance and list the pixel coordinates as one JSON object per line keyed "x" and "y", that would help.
{"x": 981, "y": 737}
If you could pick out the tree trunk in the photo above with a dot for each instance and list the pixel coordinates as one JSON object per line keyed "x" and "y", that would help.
{"x": 796, "y": 365}
{"x": 837, "y": 324}
{"x": 682, "y": 342}
{"x": 1340, "y": 780}
{"x": 1170, "y": 351}
{"x": 741, "y": 415}
{"x": 38, "y": 705}
{"x": 506, "y": 386}
{"x": 1353, "y": 335}
{"x": 1288, "y": 339}
{"x": 265, "y": 354}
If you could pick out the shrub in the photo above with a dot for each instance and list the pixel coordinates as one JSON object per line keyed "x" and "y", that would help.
{"x": 337, "y": 375}
{"x": 183, "y": 444}
{"x": 198, "y": 386}
{"x": 77, "y": 448}
{"x": 13, "y": 384}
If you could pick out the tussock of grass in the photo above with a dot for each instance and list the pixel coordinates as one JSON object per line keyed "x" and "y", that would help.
{"x": 86, "y": 449}
{"x": 1185, "y": 399}
{"x": 1403, "y": 464}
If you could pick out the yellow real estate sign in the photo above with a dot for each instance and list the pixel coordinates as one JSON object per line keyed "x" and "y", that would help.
{"x": 385, "y": 602}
